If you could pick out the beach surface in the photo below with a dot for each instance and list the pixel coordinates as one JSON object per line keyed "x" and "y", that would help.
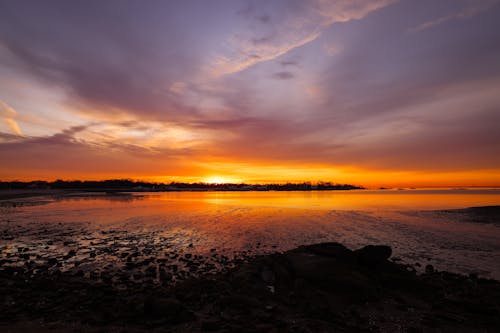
{"x": 317, "y": 288}
{"x": 215, "y": 261}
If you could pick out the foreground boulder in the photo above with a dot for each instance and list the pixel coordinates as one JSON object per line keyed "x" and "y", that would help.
{"x": 373, "y": 255}
{"x": 316, "y": 288}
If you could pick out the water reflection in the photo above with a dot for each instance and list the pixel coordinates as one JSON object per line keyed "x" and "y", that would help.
{"x": 113, "y": 197}
{"x": 104, "y": 230}
{"x": 350, "y": 200}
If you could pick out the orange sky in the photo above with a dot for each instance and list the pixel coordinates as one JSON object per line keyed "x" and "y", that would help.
{"x": 374, "y": 93}
{"x": 240, "y": 172}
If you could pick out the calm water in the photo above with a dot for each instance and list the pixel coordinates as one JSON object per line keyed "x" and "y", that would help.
{"x": 259, "y": 222}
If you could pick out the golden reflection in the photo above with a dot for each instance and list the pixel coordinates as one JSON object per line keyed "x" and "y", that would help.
{"x": 167, "y": 202}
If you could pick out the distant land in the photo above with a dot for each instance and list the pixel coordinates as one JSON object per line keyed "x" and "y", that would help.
{"x": 128, "y": 185}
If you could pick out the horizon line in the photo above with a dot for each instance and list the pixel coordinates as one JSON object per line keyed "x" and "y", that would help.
{"x": 280, "y": 183}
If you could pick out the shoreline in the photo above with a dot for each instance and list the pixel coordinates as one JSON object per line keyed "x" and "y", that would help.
{"x": 25, "y": 194}
{"x": 321, "y": 287}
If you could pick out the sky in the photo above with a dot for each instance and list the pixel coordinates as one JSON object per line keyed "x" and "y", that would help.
{"x": 373, "y": 93}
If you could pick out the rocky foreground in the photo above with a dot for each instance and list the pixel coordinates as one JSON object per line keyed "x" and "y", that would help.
{"x": 316, "y": 288}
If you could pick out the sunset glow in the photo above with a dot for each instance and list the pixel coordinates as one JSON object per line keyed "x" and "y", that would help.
{"x": 219, "y": 180}
{"x": 375, "y": 93}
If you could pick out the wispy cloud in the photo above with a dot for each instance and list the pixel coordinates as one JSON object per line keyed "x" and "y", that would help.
{"x": 283, "y": 75}
{"x": 302, "y": 26}
{"x": 8, "y": 114}
{"x": 473, "y": 8}
{"x": 246, "y": 54}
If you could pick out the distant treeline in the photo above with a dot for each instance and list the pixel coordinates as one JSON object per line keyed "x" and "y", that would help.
{"x": 131, "y": 185}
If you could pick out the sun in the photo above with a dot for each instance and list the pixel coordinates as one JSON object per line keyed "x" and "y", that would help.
{"x": 218, "y": 180}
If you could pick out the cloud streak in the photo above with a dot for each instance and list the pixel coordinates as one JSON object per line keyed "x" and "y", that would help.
{"x": 8, "y": 115}
{"x": 472, "y": 9}
{"x": 304, "y": 24}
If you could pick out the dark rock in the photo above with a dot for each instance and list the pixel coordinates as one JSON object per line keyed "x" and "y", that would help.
{"x": 373, "y": 255}
{"x": 332, "y": 250}
{"x": 268, "y": 276}
{"x": 52, "y": 261}
{"x": 70, "y": 254}
{"x": 332, "y": 275}
{"x": 150, "y": 271}
{"x": 210, "y": 325}
{"x": 165, "y": 276}
{"x": 239, "y": 303}
{"x": 165, "y": 308}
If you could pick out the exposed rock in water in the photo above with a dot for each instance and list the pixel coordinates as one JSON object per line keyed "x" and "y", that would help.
{"x": 484, "y": 214}
{"x": 317, "y": 288}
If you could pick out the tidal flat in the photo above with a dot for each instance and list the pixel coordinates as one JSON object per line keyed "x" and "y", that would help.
{"x": 64, "y": 254}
